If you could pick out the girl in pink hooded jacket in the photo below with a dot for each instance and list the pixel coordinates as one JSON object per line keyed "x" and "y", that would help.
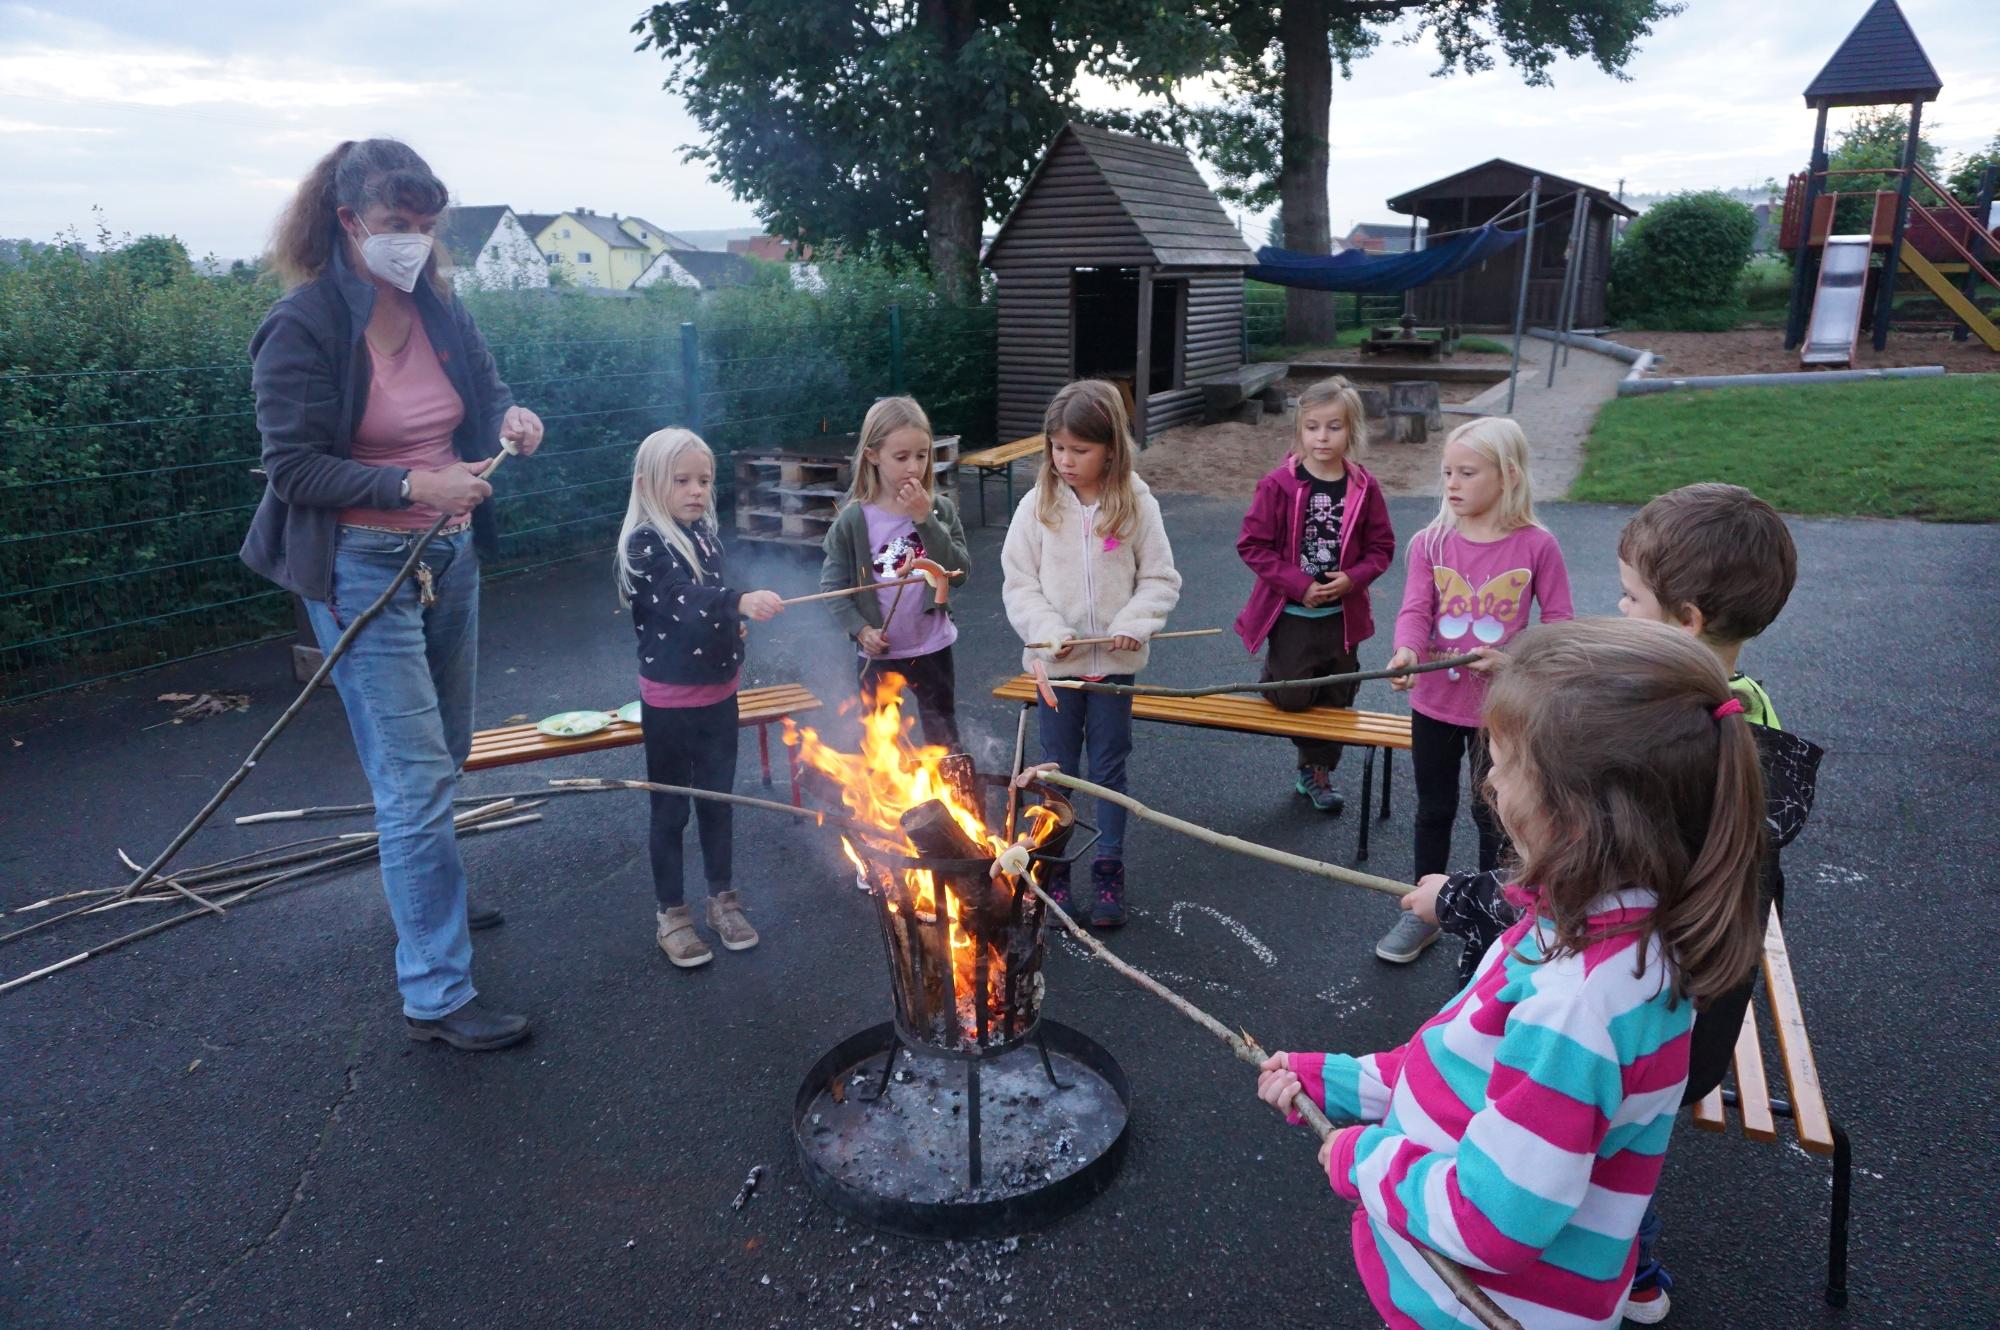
{"x": 1316, "y": 535}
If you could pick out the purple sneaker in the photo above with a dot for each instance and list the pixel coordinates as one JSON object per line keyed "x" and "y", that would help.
{"x": 1107, "y": 881}
{"x": 1056, "y": 883}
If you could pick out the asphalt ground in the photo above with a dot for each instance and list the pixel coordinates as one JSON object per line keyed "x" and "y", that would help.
{"x": 225, "y": 1125}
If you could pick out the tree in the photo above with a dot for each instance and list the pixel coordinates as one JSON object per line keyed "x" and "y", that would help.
{"x": 1679, "y": 265}
{"x": 154, "y": 260}
{"x": 1965, "y": 175}
{"x": 906, "y": 122}
{"x": 1270, "y": 138}
{"x": 1874, "y": 142}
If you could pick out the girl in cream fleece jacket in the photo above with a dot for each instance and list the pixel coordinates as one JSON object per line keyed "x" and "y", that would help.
{"x": 1087, "y": 556}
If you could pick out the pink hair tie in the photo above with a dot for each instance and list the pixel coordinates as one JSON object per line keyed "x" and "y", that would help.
{"x": 1733, "y": 707}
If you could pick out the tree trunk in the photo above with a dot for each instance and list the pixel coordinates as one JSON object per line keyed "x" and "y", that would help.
{"x": 953, "y": 210}
{"x": 954, "y": 198}
{"x": 1307, "y": 110}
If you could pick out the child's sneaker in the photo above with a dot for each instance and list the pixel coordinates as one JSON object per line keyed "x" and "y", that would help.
{"x": 674, "y": 931}
{"x": 1107, "y": 882}
{"x": 1055, "y": 881}
{"x": 1647, "y": 1303}
{"x": 1316, "y": 784}
{"x": 725, "y": 916}
{"x": 1407, "y": 940}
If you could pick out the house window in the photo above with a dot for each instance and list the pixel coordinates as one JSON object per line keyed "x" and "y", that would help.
{"x": 565, "y": 234}
{"x": 583, "y": 256}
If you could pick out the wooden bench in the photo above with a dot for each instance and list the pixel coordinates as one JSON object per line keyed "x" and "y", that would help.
{"x": 1000, "y": 458}
{"x": 1367, "y": 730}
{"x": 1222, "y": 394}
{"x": 513, "y": 744}
{"x": 1757, "y": 1111}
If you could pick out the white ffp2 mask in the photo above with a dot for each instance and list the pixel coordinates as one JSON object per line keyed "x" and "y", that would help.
{"x": 397, "y": 257}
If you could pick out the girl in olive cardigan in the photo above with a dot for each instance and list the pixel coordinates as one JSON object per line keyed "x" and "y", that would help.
{"x": 892, "y": 515}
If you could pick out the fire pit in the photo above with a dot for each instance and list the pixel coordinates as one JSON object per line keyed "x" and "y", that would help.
{"x": 967, "y": 1114}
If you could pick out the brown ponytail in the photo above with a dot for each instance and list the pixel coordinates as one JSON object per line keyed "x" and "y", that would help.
{"x": 354, "y": 175}
{"x": 1636, "y": 783}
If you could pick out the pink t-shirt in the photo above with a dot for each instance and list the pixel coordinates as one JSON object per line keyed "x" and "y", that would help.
{"x": 682, "y": 696}
{"x": 412, "y": 413}
{"x": 1460, "y": 595}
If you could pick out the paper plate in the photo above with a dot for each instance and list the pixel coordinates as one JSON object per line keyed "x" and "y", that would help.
{"x": 629, "y": 713}
{"x": 574, "y": 724}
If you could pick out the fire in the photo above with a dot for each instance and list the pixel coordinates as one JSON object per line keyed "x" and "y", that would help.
{"x": 889, "y": 776}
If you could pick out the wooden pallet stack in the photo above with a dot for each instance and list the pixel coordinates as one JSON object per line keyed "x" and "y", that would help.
{"x": 787, "y": 493}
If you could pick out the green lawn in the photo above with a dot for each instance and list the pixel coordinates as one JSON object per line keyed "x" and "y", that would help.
{"x": 1925, "y": 448}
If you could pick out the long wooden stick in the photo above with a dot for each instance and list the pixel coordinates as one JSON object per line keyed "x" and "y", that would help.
{"x": 356, "y": 810}
{"x": 1100, "y": 641}
{"x": 1266, "y": 686}
{"x": 1249, "y": 1050}
{"x": 1283, "y": 858}
{"x": 334, "y": 653}
{"x": 813, "y": 815}
{"x": 849, "y": 591}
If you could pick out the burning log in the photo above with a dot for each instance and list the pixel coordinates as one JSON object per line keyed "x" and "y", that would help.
{"x": 936, "y": 833}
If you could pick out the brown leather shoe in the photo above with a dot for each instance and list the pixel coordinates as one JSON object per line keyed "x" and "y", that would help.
{"x": 725, "y": 916}
{"x": 676, "y": 936}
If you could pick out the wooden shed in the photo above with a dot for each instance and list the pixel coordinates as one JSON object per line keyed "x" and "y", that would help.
{"x": 1484, "y": 296}
{"x": 1118, "y": 262}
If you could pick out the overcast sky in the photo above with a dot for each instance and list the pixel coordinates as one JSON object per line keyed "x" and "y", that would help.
{"x": 196, "y": 119}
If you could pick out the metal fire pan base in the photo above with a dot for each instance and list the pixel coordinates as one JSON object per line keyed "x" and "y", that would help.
{"x": 901, "y": 1162}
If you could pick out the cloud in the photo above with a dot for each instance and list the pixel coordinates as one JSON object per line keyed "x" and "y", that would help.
{"x": 8, "y": 125}
{"x": 163, "y": 78}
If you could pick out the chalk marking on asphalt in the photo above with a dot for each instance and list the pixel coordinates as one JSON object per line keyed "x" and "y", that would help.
{"x": 1243, "y": 935}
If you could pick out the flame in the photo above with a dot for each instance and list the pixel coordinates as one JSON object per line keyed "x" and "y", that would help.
{"x": 888, "y": 776}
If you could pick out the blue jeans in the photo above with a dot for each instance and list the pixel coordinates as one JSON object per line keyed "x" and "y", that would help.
{"x": 1102, "y": 724}
{"x": 407, "y": 684}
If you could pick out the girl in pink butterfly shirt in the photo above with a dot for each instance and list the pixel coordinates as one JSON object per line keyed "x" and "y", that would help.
{"x": 1472, "y": 572}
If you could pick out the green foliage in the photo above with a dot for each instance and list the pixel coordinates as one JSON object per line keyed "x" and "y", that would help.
{"x": 1766, "y": 288}
{"x": 1966, "y": 173}
{"x": 1874, "y": 142}
{"x": 1893, "y": 448}
{"x": 1242, "y": 135}
{"x": 851, "y": 124}
{"x": 128, "y": 437}
{"x": 1677, "y": 267}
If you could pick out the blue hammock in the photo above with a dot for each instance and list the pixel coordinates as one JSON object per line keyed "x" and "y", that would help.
{"x": 1357, "y": 270}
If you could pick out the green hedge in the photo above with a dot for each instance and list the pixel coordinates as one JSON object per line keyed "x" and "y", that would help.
{"x": 1678, "y": 266}
{"x": 128, "y": 436}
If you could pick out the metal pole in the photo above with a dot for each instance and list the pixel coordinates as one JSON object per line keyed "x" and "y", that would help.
{"x": 1569, "y": 276}
{"x": 691, "y": 374}
{"x": 1795, "y": 318}
{"x": 1521, "y": 301}
{"x": 1142, "y": 374}
{"x": 1885, "y": 298}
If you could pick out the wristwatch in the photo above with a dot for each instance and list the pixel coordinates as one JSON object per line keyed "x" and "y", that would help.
{"x": 403, "y": 491}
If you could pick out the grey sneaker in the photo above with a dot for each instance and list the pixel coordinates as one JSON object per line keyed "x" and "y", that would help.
{"x": 1316, "y": 784}
{"x": 674, "y": 930}
{"x": 725, "y": 916}
{"x": 1407, "y": 940}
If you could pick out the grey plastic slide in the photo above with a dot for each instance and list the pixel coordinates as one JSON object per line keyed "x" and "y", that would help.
{"x": 1836, "y": 311}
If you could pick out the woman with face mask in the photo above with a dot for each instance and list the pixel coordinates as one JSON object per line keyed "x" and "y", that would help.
{"x": 380, "y": 408}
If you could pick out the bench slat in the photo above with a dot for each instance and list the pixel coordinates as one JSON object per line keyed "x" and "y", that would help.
{"x": 1708, "y": 1111}
{"x": 1005, "y": 454}
{"x": 1801, "y": 1072}
{"x": 509, "y": 745}
{"x": 1753, "y": 1094}
{"x": 1252, "y": 715}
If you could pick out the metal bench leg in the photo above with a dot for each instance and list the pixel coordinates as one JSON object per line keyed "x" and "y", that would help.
{"x": 1388, "y": 769}
{"x": 1367, "y": 800}
{"x": 792, "y": 763}
{"x": 979, "y": 479}
{"x": 764, "y": 751}
{"x": 1836, "y": 1240}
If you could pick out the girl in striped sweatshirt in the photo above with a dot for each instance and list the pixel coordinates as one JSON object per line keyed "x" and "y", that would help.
{"x": 1520, "y": 1132}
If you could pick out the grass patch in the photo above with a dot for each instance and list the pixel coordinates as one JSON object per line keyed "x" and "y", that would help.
{"x": 1919, "y": 448}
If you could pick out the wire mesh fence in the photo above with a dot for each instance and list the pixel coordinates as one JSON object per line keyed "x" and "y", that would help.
{"x": 125, "y": 491}
{"x": 1264, "y": 315}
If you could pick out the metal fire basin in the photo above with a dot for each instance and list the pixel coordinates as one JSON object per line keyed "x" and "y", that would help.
{"x": 882, "y": 1135}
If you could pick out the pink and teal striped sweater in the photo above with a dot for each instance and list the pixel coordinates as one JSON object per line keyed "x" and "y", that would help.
{"x": 1520, "y": 1131}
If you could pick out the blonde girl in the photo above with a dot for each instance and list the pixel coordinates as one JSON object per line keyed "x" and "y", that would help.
{"x": 1317, "y": 535}
{"x": 1087, "y": 556}
{"x": 1522, "y": 1129}
{"x": 893, "y": 514}
{"x": 1472, "y": 573}
{"x": 690, "y": 626}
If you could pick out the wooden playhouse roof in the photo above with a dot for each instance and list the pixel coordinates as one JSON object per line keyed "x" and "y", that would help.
{"x": 1881, "y": 62}
{"x": 1102, "y": 197}
{"x": 1498, "y": 177}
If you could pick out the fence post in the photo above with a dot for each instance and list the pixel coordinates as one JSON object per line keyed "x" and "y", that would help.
{"x": 895, "y": 349}
{"x": 691, "y": 374}
{"x": 1521, "y": 301}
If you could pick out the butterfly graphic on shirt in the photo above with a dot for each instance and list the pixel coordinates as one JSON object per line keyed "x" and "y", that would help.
{"x": 1485, "y": 613}
{"x": 895, "y": 555}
